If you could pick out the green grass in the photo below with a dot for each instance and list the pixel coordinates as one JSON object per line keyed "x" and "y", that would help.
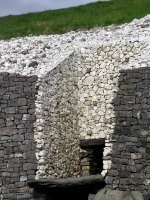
{"x": 81, "y": 17}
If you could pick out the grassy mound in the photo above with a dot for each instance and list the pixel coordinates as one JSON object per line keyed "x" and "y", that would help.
{"x": 81, "y": 17}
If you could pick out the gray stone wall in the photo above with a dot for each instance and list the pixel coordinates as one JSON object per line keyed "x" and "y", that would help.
{"x": 17, "y": 147}
{"x": 130, "y": 169}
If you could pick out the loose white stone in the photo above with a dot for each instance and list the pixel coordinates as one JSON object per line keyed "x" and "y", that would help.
{"x": 88, "y": 81}
{"x": 42, "y": 153}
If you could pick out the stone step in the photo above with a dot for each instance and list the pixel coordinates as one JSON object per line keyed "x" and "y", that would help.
{"x": 92, "y": 181}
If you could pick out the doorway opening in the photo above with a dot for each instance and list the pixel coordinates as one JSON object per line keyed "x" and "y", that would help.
{"x": 91, "y": 156}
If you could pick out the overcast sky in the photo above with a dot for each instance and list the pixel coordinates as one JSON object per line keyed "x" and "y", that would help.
{"x": 16, "y": 7}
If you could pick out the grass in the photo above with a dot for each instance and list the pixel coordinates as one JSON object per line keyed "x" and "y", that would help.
{"x": 81, "y": 17}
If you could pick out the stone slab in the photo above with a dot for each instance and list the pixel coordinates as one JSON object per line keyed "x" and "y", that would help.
{"x": 93, "y": 180}
{"x": 92, "y": 143}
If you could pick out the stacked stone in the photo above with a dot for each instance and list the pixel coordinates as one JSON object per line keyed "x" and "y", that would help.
{"x": 17, "y": 147}
{"x": 98, "y": 73}
{"x": 130, "y": 157}
{"x": 88, "y": 163}
{"x": 86, "y": 157}
{"x": 56, "y": 123}
{"x": 97, "y": 70}
{"x": 72, "y": 100}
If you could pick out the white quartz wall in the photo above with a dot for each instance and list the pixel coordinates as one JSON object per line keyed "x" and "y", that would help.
{"x": 75, "y": 102}
{"x": 58, "y": 153}
{"x": 98, "y": 74}
{"x": 97, "y": 82}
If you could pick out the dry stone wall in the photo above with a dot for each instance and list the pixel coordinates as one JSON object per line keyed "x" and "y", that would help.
{"x": 130, "y": 153}
{"x": 72, "y": 89}
{"x": 57, "y": 135}
{"x": 75, "y": 103}
{"x": 18, "y": 162}
{"x": 97, "y": 82}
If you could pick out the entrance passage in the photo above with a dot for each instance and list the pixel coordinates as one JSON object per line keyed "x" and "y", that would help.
{"x": 91, "y": 156}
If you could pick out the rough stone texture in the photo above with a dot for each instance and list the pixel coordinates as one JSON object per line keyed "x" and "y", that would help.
{"x": 91, "y": 156}
{"x": 118, "y": 195}
{"x": 91, "y": 85}
{"x": 88, "y": 181}
{"x": 57, "y": 118}
{"x": 131, "y": 144}
{"x": 68, "y": 188}
{"x": 74, "y": 103}
{"x": 18, "y": 162}
{"x": 91, "y": 196}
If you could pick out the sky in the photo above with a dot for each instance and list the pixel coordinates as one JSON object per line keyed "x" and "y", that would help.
{"x": 16, "y": 7}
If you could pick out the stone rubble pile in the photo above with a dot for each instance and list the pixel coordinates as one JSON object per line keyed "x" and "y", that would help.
{"x": 39, "y": 54}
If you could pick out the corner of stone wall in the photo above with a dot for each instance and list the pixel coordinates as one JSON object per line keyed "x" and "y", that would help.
{"x": 57, "y": 135}
{"x": 18, "y": 162}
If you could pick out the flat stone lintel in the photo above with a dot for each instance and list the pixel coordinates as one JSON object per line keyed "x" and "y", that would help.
{"x": 92, "y": 143}
{"x": 92, "y": 180}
